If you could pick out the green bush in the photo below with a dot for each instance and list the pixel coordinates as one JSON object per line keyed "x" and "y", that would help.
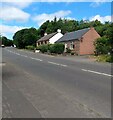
{"x": 68, "y": 50}
{"x": 57, "y": 48}
{"x": 109, "y": 58}
{"x": 43, "y": 48}
{"x": 72, "y": 53}
{"x": 30, "y": 47}
{"x": 105, "y": 58}
{"x": 102, "y": 46}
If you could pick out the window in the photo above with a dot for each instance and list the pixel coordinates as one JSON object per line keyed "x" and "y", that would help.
{"x": 72, "y": 46}
{"x": 45, "y": 42}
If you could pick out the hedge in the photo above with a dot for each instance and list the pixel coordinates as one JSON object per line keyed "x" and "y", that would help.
{"x": 30, "y": 47}
{"x": 57, "y": 48}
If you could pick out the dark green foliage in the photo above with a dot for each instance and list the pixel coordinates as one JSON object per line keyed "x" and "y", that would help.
{"x": 105, "y": 58}
{"x": 25, "y": 37}
{"x": 109, "y": 58}
{"x": 102, "y": 45}
{"x": 68, "y": 50}
{"x": 64, "y": 24}
{"x": 30, "y": 47}
{"x": 57, "y": 48}
{"x": 5, "y": 41}
{"x": 43, "y": 48}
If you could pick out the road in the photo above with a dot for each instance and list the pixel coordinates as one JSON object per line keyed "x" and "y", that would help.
{"x": 43, "y": 86}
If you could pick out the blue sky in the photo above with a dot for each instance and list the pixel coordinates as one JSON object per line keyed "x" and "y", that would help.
{"x": 18, "y": 15}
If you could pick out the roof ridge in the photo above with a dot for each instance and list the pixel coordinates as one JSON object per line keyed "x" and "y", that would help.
{"x": 74, "y": 35}
{"x": 77, "y": 30}
{"x": 48, "y": 36}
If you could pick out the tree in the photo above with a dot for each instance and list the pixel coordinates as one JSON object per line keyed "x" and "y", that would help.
{"x": 43, "y": 28}
{"x": 5, "y": 41}
{"x": 25, "y": 37}
{"x": 102, "y": 45}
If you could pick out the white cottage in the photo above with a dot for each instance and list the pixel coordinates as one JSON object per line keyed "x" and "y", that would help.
{"x": 50, "y": 38}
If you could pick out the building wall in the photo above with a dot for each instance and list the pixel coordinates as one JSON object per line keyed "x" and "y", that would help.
{"x": 55, "y": 38}
{"x": 42, "y": 43}
{"x": 77, "y": 47}
{"x": 87, "y": 43}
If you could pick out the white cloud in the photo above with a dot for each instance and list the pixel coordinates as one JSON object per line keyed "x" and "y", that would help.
{"x": 13, "y": 13}
{"x": 19, "y": 4}
{"x": 96, "y": 4}
{"x": 100, "y": 18}
{"x": 44, "y": 17}
{"x": 6, "y": 30}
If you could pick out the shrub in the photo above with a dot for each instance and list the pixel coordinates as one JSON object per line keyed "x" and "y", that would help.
{"x": 57, "y": 48}
{"x": 72, "y": 53}
{"x": 105, "y": 58}
{"x": 102, "y": 46}
{"x": 43, "y": 48}
{"x": 68, "y": 50}
{"x": 30, "y": 47}
{"x": 109, "y": 58}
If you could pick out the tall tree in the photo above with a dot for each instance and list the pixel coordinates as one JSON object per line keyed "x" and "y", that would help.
{"x": 25, "y": 37}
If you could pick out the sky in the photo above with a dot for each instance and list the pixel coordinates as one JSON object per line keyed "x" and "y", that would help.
{"x": 16, "y": 15}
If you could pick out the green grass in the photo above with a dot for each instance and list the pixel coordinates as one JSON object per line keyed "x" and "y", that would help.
{"x": 104, "y": 58}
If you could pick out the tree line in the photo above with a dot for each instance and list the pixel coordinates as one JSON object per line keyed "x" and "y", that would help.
{"x": 103, "y": 45}
{"x": 5, "y": 41}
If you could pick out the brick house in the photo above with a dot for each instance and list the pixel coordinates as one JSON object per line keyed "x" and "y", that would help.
{"x": 81, "y": 42}
{"x": 50, "y": 38}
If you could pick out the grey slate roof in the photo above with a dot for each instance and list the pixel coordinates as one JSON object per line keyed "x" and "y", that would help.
{"x": 73, "y": 35}
{"x": 47, "y": 37}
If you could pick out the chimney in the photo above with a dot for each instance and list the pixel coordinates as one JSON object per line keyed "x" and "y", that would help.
{"x": 59, "y": 31}
{"x": 45, "y": 34}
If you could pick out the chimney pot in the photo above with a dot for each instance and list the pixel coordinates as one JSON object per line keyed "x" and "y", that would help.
{"x": 45, "y": 34}
{"x": 59, "y": 31}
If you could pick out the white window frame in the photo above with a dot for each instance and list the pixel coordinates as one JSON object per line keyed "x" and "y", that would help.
{"x": 72, "y": 45}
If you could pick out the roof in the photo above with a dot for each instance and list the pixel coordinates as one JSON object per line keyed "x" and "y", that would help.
{"x": 73, "y": 35}
{"x": 47, "y": 37}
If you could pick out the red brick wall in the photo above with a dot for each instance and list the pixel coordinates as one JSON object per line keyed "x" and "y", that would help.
{"x": 87, "y": 43}
{"x": 77, "y": 46}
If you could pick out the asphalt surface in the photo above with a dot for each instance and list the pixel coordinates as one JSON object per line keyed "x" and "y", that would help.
{"x": 36, "y": 85}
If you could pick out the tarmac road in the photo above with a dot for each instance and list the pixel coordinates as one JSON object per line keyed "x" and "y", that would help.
{"x": 36, "y": 85}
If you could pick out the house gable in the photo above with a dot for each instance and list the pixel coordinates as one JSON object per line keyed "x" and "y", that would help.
{"x": 53, "y": 39}
{"x": 50, "y": 38}
{"x": 87, "y": 42}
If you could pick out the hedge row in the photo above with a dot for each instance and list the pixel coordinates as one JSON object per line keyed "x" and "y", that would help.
{"x": 57, "y": 48}
{"x": 30, "y": 47}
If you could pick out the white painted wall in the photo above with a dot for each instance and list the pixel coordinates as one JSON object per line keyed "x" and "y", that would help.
{"x": 55, "y": 38}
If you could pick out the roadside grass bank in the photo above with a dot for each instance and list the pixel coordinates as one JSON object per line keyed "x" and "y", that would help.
{"x": 103, "y": 58}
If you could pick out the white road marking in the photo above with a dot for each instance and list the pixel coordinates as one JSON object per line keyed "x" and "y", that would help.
{"x": 25, "y": 56}
{"x": 57, "y": 64}
{"x": 97, "y": 72}
{"x": 36, "y": 59}
{"x": 63, "y": 65}
{"x": 17, "y": 53}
